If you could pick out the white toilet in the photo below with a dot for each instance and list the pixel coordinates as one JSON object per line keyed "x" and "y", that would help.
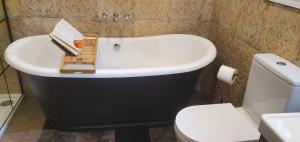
{"x": 273, "y": 87}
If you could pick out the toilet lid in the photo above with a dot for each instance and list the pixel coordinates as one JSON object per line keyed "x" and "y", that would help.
{"x": 214, "y": 123}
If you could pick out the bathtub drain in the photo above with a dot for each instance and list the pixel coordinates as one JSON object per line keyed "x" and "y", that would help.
{"x": 117, "y": 47}
{"x": 6, "y": 103}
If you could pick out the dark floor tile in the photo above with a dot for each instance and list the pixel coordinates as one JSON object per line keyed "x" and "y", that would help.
{"x": 58, "y": 136}
{"x": 95, "y": 136}
{"x": 21, "y": 136}
{"x": 132, "y": 134}
{"x": 163, "y": 134}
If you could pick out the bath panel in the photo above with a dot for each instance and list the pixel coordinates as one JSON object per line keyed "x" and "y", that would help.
{"x": 80, "y": 103}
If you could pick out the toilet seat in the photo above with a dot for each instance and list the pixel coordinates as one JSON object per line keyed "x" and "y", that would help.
{"x": 213, "y": 123}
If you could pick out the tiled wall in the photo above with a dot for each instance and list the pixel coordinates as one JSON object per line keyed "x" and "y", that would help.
{"x": 4, "y": 37}
{"x": 11, "y": 77}
{"x": 148, "y": 17}
{"x": 242, "y": 28}
{"x": 238, "y": 28}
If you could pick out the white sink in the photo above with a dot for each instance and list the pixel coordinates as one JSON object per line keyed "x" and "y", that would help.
{"x": 280, "y": 127}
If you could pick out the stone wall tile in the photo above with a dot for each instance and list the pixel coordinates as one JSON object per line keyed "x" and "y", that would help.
{"x": 79, "y": 8}
{"x": 185, "y": 9}
{"x": 151, "y": 9}
{"x": 39, "y": 8}
{"x": 149, "y": 27}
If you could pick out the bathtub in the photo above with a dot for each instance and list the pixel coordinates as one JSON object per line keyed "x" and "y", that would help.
{"x": 145, "y": 82}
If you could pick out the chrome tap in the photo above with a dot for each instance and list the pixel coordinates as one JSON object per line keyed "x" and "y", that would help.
{"x": 115, "y": 17}
{"x": 104, "y": 16}
{"x": 126, "y": 17}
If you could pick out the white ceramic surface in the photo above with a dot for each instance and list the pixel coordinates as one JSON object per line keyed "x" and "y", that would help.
{"x": 272, "y": 88}
{"x": 281, "y": 127}
{"x": 291, "y": 3}
{"x": 283, "y": 68}
{"x": 214, "y": 123}
{"x": 139, "y": 56}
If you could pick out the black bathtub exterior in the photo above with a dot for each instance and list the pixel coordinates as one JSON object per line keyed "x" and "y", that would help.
{"x": 84, "y": 103}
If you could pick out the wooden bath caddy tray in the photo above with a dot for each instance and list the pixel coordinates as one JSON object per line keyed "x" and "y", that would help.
{"x": 86, "y": 61}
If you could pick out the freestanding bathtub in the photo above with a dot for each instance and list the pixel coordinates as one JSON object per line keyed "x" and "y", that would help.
{"x": 145, "y": 82}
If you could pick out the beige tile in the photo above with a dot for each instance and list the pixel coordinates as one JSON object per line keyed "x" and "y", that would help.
{"x": 17, "y": 28}
{"x": 149, "y": 27}
{"x": 207, "y": 10}
{"x": 79, "y": 8}
{"x": 120, "y": 29}
{"x": 282, "y": 32}
{"x": 278, "y": 42}
{"x": 190, "y": 26}
{"x": 228, "y": 12}
{"x": 3, "y": 88}
{"x": 217, "y": 9}
{"x": 4, "y": 36}
{"x": 184, "y": 27}
{"x": 205, "y": 28}
{"x": 185, "y": 9}
{"x": 12, "y": 81}
{"x": 105, "y": 29}
{"x": 297, "y": 60}
{"x": 252, "y": 20}
{"x": 285, "y": 22}
{"x": 1, "y": 11}
{"x": 116, "y": 6}
{"x": 283, "y": 18}
{"x": 151, "y": 9}
{"x": 1, "y": 69}
{"x": 13, "y": 8}
{"x": 5, "y": 41}
{"x": 222, "y": 39}
{"x": 40, "y": 8}
{"x": 39, "y": 26}
{"x": 85, "y": 25}
{"x": 240, "y": 57}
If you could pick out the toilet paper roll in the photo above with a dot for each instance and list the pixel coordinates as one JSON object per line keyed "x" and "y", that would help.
{"x": 227, "y": 74}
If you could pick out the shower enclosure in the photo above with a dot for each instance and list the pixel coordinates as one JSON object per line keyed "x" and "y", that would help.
{"x": 10, "y": 90}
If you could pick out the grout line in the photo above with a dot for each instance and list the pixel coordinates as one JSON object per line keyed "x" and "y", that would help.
{"x": 3, "y": 71}
{"x": 3, "y": 19}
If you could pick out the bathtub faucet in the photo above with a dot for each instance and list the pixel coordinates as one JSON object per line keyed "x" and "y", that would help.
{"x": 104, "y": 17}
{"x": 115, "y": 17}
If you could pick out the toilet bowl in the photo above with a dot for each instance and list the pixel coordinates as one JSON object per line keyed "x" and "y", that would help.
{"x": 215, "y": 123}
{"x": 273, "y": 87}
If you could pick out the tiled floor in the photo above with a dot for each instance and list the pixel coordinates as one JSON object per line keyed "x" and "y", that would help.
{"x": 27, "y": 126}
{"x": 6, "y": 109}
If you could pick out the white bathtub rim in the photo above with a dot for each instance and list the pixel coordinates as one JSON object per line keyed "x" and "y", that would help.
{"x": 14, "y": 61}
